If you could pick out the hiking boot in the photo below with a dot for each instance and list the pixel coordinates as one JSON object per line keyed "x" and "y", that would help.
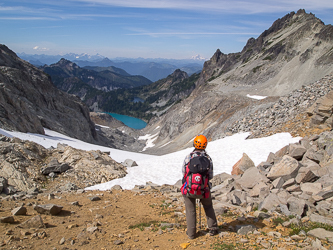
{"x": 212, "y": 232}
{"x": 190, "y": 237}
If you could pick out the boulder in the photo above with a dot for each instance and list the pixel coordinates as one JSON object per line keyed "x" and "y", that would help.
{"x": 296, "y": 151}
{"x": 251, "y": 177}
{"x": 3, "y": 184}
{"x": 282, "y": 152}
{"x": 55, "y": 167}
{"x": 19, "y": 211}
{"x": 288, "y": 183}
{"x": 220, "y": 178}
{"x": 284, "y": 196}
{"x": 314, "y": 154}
{"x": 311, "y": 188}
{"x": 296, "y": 206}
{"x": 321, "y": 219}
{"x": 271, "y": 158}
{"x": 255, "y": 191}
{"x": 34, "y": 222}
{"x": 309, "y": 163}
{"x": 7, "y": 219}
{"x": 324, "y": 193}
{"x": 325, "y": 141}
{"x": 129, "y": 163}
{"x": 270, "y": 202}
{"x": 287, "y": 168}
{"x": 243, "y": 164}
{"x": 322, "y": 111}
{"x": 321, "y": 233}
{"x": 278, "y": 182}
{"x": 51, "y": 209}
{"x": 237, "y": 197}
{"x": 284, "y": 209}
{"x": 306, "y": 176}
{"x": 245, "y": 229}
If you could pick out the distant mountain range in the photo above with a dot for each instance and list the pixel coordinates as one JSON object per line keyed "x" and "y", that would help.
{"x": 111, "y": 89}
{"x": 153, "y": 69}
{"x": 66, "y": 75}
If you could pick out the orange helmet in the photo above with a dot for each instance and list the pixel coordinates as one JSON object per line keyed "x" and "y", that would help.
{"x": 200, "y": 142}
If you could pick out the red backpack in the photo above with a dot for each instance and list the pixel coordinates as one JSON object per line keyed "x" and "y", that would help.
{"x": 195, "y": 180}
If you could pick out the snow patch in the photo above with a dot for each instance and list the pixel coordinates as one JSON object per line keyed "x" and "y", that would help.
{"x": 102, "y": 126}
{"x": 257, "y": 97}
{"x": 166, "y": 169}
{"x": 150, "y": 139}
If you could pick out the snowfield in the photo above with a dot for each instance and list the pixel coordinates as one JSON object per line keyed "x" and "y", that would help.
{"x": 166, "y": 169}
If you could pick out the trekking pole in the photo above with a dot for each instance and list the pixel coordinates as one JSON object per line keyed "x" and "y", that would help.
{"x": 199, "y": 214}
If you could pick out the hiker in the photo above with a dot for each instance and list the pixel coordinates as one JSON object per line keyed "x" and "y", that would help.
{"x": 197, "y": 186}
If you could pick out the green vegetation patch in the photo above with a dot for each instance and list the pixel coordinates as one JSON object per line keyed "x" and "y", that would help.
{"x": 307, "y": 226}
{"x": 225, "y": 246}
{"x": 254, "y": 70}
{"x": 268, "y": 58}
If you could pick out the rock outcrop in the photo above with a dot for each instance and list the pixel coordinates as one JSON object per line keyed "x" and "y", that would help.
{"x": 26, "y": 166}
{"x": 29, "y": 102}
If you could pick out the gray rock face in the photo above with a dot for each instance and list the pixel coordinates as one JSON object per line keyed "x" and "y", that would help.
{"x": 29, "y": 102}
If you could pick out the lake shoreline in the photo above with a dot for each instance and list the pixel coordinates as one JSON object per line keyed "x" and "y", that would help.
{"x": 129, "y": 121}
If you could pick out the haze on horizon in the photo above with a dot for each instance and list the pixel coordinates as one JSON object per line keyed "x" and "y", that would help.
{"x": 177, "y": 29}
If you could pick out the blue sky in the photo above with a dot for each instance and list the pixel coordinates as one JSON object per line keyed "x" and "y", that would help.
{"x": 176, "y": 29}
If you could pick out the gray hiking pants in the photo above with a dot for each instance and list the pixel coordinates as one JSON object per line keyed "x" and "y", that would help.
{"x": 191, "y": 214}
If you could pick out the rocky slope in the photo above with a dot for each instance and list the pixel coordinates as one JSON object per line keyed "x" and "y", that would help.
{"x": 295, "y": 51}
{"x": 29, "y": 102}
{"x": 163, "y": 94}
{"x": 283, "y": 203}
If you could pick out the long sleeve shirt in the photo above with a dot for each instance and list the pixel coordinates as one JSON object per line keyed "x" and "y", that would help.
{"x": 195, "y": 153}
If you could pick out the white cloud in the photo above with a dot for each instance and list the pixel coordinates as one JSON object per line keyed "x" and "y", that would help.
{"x": 159, "y": 34}
{"x": 245, "y": 7}
{"x": 40, "y": 49}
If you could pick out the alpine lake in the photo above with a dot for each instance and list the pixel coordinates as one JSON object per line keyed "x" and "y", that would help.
{"x": 129, "y": 121}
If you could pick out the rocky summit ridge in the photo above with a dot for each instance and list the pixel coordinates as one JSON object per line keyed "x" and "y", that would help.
{"x": 295, "y": 51}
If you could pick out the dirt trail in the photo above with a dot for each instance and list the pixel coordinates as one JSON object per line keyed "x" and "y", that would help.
{"x": 129, "y": 220}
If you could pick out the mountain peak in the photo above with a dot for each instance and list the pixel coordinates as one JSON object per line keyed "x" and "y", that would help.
{"x": 66, "y": 63}
{"x": 198, "y": 57}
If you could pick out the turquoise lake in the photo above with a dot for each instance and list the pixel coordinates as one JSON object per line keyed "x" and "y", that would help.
{"x": 129, "y": 121}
